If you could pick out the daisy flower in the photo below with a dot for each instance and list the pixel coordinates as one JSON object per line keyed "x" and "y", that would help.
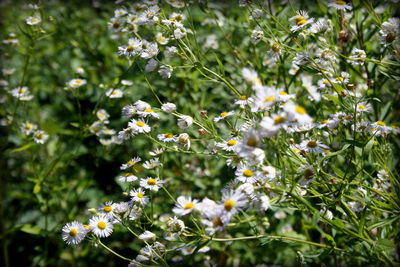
{"x": 133, "y": 48}
{"x": 28, "y": 128}
{"x": 147, "y": 235}
{"x": 114, "y": 93}
{"x": 361, "y": 127}
{"x": 312, "y": 146}
{"x": 130, "y": 163}
{"x": 184, "y": 205}
{"x": 251, "y": 76}
{"x": 75, "y": 83}
{"x": 357, "y": 57}
{"x": 246, "y": 174}
{"x": 297, "y": 114}
{"x": 270, "y": 126}
{"x": 231, "y": 202}
{"x": 21, "y": 93}
{"x": 301, "y": 20}
{"x": 139, "y": 126}
{"x": 342, "y": 79}
{"x": 101, "y": 226}
{"x": 165, "y": 71}
{"x": 149, "y": 50}
{"x": 148, "y": 113}
{"x": 390, "y": 31}
{"x": 340, "y": 5}
{"x": 33, "y": 20}
{"x": 152, "y": 163}
{"x": 139, "y": 196}
{"x": 228, "y": 145}
{"x": 175, "y": 225}
{"x": 167, "y": 137}
{"x": 223, "y": 115}
{"x": 243, "y": 101}
{"x": 152, "y": 184}
{"x": 127, "y": 178}
{"x": 73, "y": 233}
{"x": 103, "y": 116}
{"x": 168, "y": 107}
{"x": 107, "y": 209}
{"x": 40, "y": 136}
{"x": 185, "y": 122}
{"x": 176, "y": 3}
{"x": 363, "y": 107}
{"x": 380, "y": 128}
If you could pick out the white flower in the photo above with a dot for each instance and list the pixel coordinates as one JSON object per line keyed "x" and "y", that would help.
{"x": 127, "y": 178}
{"x": 147, "y": 235}
{"x": 223, "y": 115}
{"x": 114, "y": 93}
{"x": 75, "y": 83}
{"x": 152, "y": 184}
{"x": 390, "y": 31}
{"x": 149, "y": 50}
{"x": 139, "y": 126}
{"x": 246, "y": 174}
{"x": 184, "y": 205}
{"x": 165, "y": 71}
{"x": 176, "y": 3}
{"x": 139, "y": 196}
{"x": 297, "y": 114}
{"x": 320, "y": 26}
{"x": 152, "y": 163}
{"x": 73, "y": 233}
{"x": 243, "y": 101}
{"x": 133, "y": 48}
{"x": 151, "y": 65}
{"x": 251, "y": 76}
{"x": 170, "y": 51}
{"x": 340, "y": 5}
{"x": 101, "y": 226}
{"x": 280, "y": 215}
{"x": 126, "y": 82}
{"x": 40, "y": 137}
{"x": 161, "y": 39}
{"x": 28, "y": 128}
{"x": 327, "y": 213}
{"x": 33, "y": 20}
{"x": 301, "y": 20}
{"x": 130, "y": 163}
{"x": 148, "y": 113}
{"x": 103, "y": 116}
{"x": 312, "y": 146}
{"x": 168, "y": 107}
{"x": 357, "y": 57}
{"x": 21, "y": 93}
{"x": 141, "y": 105}
{"x": 185, "y": 122}
{"x": 231, "y": 202}
{"x": 167, "y": 137}
{"x": 180, "y": 32}
{"x": 107, "y": 209}
{"x": 256, "y": 36}
{"x": 228, "y": 145}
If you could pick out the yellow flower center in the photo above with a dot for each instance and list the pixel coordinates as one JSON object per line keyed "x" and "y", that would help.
{"x": 300, "y": 110}
{"x": 116, "y": 24}
{"x": 252, "y": 142}
{"x": 149, "y": 110}
{"x": 231, "y": 142}
{"x": 276, "y": 47}
{"x": 140, "y": 195}
{"x": 168, "y": 135}
{"x": 312, "y": 144}
{"x": 87, "y": 226}
{"x": 217, "y": 222}
{"x": 140, "y": 123}
{"x": 229, "y": 204}
{"x": 73, "y": 232}
{"x": 247, "y": 173}
{"x": 279, "y": 119}
{"x": 21, "y": 91}
{"x": 223, "y": 114}
{"x": 130, "y": 48}
{"x": 325, "y": 121}
{"x": 152, "y": 181}
{"x": 189, "y": 206}
{"x": 131, "y": 162}
{"x": 361, "y": 107}
{"x": 299, "y": 18}
{"x": 339, "y": 79}
{"x": 301, "y": 22}
{"x": 381, "y": 123}
{"x": 102, "y": 225}
{"x": 127, "y": 174}
{"x": 39, "y": 136}
{"x": 325, "y": 81}
{"x": 270, "y": 99}
{"x": 107, "y": 209}
{"x": 341, "y": 2}
{"x": 390, "y": 37}
{"x": 283, "y": 93}
{"x": 243, "y": 97}
{"x": 347, "y": 117}
{"x": 114, "y": 92}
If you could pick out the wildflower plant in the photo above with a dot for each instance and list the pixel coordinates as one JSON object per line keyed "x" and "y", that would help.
{"x": 248, "y": 133}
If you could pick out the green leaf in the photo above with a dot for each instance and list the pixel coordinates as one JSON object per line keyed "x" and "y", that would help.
{"x": 31, "y": 229}
{"x": 22, "y": 148}
{"x": 221, "y": 66}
